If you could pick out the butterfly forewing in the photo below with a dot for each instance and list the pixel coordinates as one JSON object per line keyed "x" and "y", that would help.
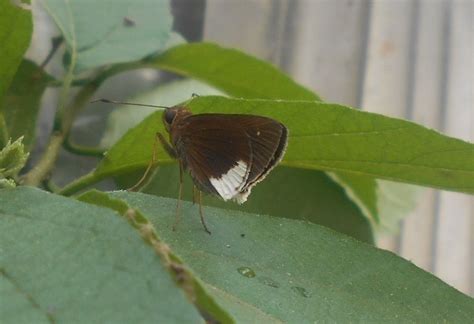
{"x": 228, "y": 154}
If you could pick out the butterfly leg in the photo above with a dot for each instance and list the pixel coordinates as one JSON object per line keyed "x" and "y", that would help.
{"x": 158, "y": 138}
{"x": 194, "y": 195}
{"x": 180, "y": 194}
{"x": 201, "y": 213}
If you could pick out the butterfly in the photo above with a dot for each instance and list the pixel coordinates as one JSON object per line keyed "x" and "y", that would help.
{"x": 226, "y": 155}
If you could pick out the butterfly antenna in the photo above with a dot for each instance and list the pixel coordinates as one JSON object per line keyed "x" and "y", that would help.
{"x": 127, "y": 103}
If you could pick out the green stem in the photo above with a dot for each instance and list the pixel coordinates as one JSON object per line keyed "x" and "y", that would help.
{"x": 51, "y": 186}
{"x": 49, "y": 157}
{"x": 75, "y": 83}
{"x": 46, "y": 162}
{"x": 4, "y": 137}
{"x": 63, "y": 123}
{"x": 79, "y": 184}
{"x": 82, "y": 150}
{"x": 64, "y": 95}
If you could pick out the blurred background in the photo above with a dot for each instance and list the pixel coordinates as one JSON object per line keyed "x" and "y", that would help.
{"x": 407, "y": 59}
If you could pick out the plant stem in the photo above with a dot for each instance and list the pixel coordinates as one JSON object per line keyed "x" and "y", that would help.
{"x": 50, "y": 186}
{"x": 79, "y": 184}
{"x": 46, "y": 162}
{"x": 4, "y": 137}
{"x": 82, "y": 150}
{"x": 63, "y": 123}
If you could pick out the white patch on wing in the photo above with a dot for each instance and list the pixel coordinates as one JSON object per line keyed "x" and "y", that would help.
{"x": 229, "y": 185}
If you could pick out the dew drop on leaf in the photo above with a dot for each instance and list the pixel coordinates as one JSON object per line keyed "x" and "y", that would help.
{"x": 246, "y": 272}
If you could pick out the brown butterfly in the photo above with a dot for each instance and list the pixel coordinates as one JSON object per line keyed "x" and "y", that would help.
{"x": 225, "y": 154}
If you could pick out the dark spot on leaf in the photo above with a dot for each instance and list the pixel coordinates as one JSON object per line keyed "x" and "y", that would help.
{"x": 301, "y": 291}
{"x": 127, "y": 22}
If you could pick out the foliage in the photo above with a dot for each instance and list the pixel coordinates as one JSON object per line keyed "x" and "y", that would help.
{"x": 12, "y": 159}
{"x": 271, "y": 260}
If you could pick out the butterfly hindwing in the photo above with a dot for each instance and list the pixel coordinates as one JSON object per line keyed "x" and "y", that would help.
{"x": 228, "y": 154}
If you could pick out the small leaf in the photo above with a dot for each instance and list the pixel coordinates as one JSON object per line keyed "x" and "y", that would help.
{"x": 21, "y": 102}
{"x": 298, "y": 272}
{"x": 65, "y": 261}
{"x": 12, "y": 158}
{"x": 7, "y": 183}
{"x": 395, "y": 201}
{"x": 15, "y": 33}
{"x": 385, "y": 203}
{"x": 101, "y": 32}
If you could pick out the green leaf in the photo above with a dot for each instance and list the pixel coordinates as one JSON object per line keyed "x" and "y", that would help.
{"x": 385, "y": 203}
{"x": 395, "y": 201}
{"x": 21, "y": 103}
{"x": 66, "y": 261}
{"x": 362, "y": 190}
{"x": 104, "y": 32}
{"x": 7, "y": 183}
{"x": 327, "y": 137}
{"x": 182, "y": 275}
{"x": 312, "y": 193}
{"x": 12, "y": 158}
{"x": 15, "y": 33}
{"x": 286, "y": 192}
{"x": 298, "y": 272}
{"x": 231, "y": 71}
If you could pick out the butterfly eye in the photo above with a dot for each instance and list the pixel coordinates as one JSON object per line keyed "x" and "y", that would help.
{"x": 169, "y": 116}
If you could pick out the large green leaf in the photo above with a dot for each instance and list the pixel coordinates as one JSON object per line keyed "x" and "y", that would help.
{"x": 66, "y": 261}
{"x": 312, "y": 193}
{"x": 327, "y": 137}
{"x": 21, "y": 102}
{"x": 231, "y": 71}
{"x": 15, "y": 33}
{"x": 298, "y": 272}
{"x": 193, "y": 287}
{"x": 286, "y": 192}
{"x": 105, "y": 32}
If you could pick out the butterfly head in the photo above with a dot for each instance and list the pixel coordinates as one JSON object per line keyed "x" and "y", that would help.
{"x": 173, "y": 114}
